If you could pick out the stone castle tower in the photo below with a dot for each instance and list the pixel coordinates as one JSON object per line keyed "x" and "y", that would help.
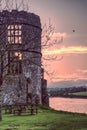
{"x": 20, "y": 59}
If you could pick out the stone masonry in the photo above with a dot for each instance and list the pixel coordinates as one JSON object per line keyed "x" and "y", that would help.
{"x": 20, "y": 49}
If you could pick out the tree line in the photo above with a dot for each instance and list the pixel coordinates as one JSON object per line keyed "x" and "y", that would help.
{"x": 64, "y": 92}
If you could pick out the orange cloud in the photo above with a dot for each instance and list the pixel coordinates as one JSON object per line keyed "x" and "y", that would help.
{"x": 82, "y": 71}
{"x": 74, "y": 77}
{"x": 58, "y": 35}
{"x": 66, "y": 50}
{"x": 53, "y": 36}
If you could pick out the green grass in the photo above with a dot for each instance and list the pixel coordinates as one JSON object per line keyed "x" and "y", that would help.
{"x": 46, "y": 119}
{"x": 80, "y": 93}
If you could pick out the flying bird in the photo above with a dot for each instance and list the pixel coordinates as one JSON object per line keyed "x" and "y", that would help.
{"x": 73, "y": 30}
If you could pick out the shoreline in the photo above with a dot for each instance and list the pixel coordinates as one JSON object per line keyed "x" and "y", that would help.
{"x": 70, "y": 96}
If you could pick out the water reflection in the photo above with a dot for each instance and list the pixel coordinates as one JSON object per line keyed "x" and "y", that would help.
{"x": 69, "y": 104}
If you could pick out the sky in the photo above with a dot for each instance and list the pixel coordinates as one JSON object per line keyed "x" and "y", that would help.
{"x": 69, "y": 18}
{"x": 66, "y": 16}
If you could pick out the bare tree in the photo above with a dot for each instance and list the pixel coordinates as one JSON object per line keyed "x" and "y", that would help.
{"x": 49, "y": 43}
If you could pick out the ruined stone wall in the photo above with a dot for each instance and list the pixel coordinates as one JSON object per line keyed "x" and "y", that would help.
{"x": 45, "y": 96}
{"x": 14, "y": 86}
{"x": 14, "y": 90}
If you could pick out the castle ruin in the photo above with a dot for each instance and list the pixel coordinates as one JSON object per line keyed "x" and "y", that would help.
{"x": 20, "y": 58}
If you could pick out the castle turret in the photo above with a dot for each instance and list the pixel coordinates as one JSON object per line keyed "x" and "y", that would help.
{"x": 20, "y": 47}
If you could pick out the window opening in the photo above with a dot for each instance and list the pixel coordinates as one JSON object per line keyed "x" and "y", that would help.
{"x": 14, "y": 34}
{"x": 15, "y": 62}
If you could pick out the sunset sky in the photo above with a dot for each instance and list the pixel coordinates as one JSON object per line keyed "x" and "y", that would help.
{"x": 66, "y": 16}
